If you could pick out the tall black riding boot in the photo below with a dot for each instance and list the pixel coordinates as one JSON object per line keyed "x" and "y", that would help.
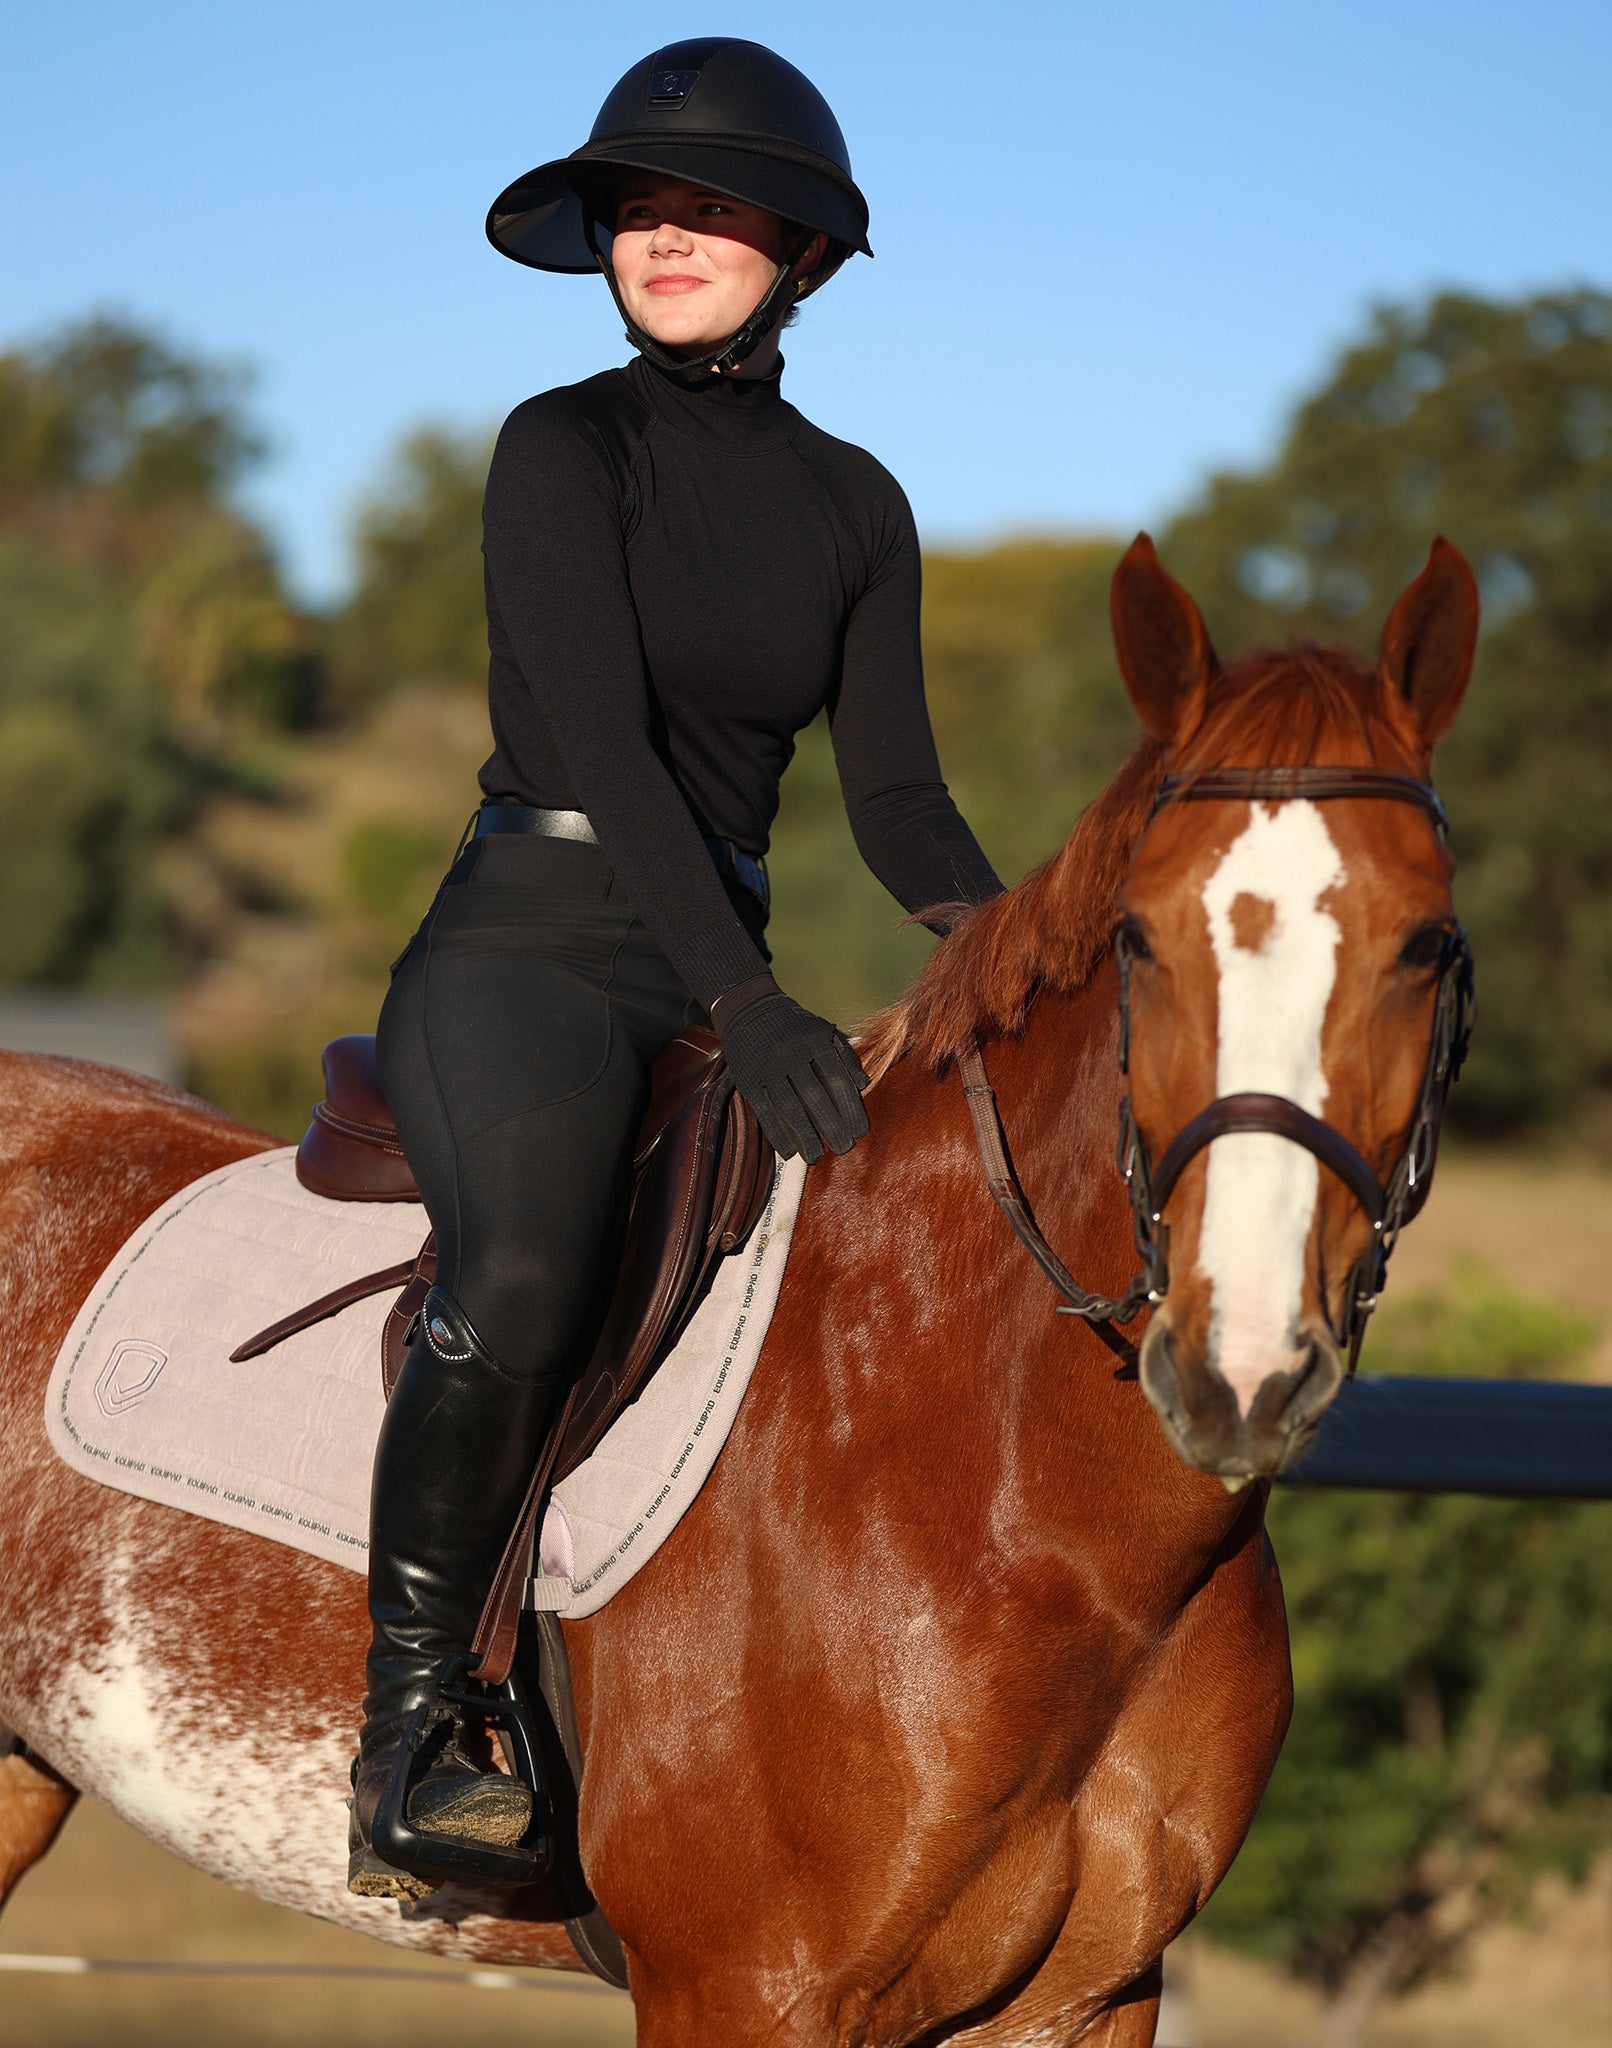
{"x": 455, "y": 1454}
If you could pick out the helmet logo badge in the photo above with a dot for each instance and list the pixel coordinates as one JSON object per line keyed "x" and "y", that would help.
{"x": 669, "y": 88}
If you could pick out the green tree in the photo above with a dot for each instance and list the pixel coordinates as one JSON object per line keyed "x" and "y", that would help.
{"x": 147, "y": 646}
{"x": 120, "y": 455}
{"x": 417, "y": 612}
{"x": 106, "y": 408}
{"x": 89, "y": 780}
{"x": 1491, "y": 423}
{"x": 1452, "y": 1723}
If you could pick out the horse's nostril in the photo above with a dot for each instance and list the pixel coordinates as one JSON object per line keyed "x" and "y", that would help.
{"x": 1157, "y": 1371}
{"x": 1314, "y": 1381}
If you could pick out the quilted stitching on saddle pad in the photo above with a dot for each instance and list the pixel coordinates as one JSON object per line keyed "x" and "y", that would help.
{"x": 143, "y": 1396}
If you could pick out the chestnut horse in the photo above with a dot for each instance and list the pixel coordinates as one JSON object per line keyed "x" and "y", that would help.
{"x": 950, "y": 1701}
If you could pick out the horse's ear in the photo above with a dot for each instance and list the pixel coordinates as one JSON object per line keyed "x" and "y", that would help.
{"x": 1430, "y": 638}
{"x": 1162, "y": 643}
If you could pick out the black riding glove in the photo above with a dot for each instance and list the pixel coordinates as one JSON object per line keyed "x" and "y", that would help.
{"x": 797, "y": 1072}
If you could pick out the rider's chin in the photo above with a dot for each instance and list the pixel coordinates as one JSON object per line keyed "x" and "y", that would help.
{"x": 1209, "y": 1426}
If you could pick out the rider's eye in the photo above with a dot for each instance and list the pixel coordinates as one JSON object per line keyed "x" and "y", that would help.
{"x": 1425, "y": 946}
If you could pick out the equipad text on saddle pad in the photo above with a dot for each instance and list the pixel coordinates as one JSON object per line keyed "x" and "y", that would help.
{"x": 144, "y": 1398}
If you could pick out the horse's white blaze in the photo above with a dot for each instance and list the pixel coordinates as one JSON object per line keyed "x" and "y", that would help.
{"x": 1276, "y": 952}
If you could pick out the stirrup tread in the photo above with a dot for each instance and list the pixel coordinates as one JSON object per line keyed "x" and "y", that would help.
{"x": 369, "y": 1878}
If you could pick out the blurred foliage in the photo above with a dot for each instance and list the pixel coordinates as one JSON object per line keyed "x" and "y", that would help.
{"x": 145, "y": 642}
{"x": 89, "y": 779}
{"x": 329, "y": 880}
{"x": 1490, "y": 423}
{"x": 1452, "y": 1725}
{"x": 417, "y": 612}
{"x": 108, "y": 412}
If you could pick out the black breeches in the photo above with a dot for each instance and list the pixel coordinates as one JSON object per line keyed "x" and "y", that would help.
{"x": 515, "y": 1047}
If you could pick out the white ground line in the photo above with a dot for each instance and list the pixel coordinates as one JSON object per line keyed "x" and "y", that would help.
{"x": 478, "y": 1980}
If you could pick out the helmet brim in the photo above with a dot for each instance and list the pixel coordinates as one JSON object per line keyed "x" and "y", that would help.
{"x": 540, "y": 219}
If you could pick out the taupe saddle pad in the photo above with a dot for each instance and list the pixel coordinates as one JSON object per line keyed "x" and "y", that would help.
{"x": 143, "y": 1396}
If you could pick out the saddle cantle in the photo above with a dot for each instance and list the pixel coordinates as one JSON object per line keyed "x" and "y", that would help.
{"x": 701, "y": 1172}
{"x": 351, "y": 1151}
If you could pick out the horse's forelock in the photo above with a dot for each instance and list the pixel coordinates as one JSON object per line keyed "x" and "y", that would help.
{"x": 1282, "y": 707}
{"x": 1276, "y": 707}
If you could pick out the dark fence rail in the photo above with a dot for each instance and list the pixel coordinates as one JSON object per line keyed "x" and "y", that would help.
{"x": 1521, "y": 1439}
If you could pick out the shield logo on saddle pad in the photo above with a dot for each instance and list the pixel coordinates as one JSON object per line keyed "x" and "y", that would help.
{"x": 128, "y": 1375}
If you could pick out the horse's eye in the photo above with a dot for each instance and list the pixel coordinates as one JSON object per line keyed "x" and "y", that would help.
{"x": 1133, "y": 940}
{"x": 1425, "y": 947}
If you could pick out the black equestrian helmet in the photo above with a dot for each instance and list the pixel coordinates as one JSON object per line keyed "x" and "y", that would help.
{"x": 727, "y": 115}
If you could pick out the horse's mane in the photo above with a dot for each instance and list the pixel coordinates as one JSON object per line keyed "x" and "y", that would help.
{"x": 1276, "y": 707}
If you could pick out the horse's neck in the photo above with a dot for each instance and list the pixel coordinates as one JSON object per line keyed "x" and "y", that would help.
{"x": 978, "y": 1390}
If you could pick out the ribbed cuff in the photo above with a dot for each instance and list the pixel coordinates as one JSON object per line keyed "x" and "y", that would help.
{"x": 744, "y": 995}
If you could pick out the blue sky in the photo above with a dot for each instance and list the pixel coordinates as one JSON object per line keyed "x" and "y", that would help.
{"x": 1113, "y": 244}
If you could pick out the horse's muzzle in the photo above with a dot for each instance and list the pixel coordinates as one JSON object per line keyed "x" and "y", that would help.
{"x": 1200, "y": 1411}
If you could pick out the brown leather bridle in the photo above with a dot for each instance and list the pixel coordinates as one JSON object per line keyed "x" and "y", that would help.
{"x": 1389, "y": 1205}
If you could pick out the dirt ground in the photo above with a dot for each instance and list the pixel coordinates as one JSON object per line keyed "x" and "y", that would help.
{"x": 105, "y": 1892}
{"x": 1545, "y": 1983}
{"x": 1542, "y": 1226}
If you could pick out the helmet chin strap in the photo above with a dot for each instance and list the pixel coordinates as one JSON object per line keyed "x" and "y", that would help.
{"x": 726, "y": 357}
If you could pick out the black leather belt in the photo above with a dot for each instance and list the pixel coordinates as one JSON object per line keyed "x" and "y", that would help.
{"x": 733, "y": 864}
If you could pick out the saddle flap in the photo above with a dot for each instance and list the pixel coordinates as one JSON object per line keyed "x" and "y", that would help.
{"x": 676, "y": 1195}
{"x": 350, "y": 1151}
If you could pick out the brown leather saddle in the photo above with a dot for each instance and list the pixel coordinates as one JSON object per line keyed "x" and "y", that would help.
{"x": 701, "y": 1173}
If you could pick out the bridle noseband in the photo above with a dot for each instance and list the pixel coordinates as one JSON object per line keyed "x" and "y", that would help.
{"x": 1389, "y": 1205}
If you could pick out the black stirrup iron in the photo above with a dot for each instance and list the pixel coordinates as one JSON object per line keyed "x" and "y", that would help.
{"x": 450, "y": 1859}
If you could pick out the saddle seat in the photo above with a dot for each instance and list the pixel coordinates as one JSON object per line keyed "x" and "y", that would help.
{"x": 700, "y": 1177}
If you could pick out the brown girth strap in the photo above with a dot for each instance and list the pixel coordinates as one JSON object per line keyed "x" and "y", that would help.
{"x": 1101, "y": 1311}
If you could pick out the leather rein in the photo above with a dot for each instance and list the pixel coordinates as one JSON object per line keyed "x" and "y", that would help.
{"x": 1389, "y": 1205}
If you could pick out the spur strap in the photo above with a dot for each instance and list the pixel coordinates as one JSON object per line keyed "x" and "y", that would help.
{"x": 1097, "y": 1309}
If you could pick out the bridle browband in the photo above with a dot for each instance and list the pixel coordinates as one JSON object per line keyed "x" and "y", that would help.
{"x": 1389, "y": 1205}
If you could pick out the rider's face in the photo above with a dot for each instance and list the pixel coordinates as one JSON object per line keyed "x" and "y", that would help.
{"x": 691, "y": 265}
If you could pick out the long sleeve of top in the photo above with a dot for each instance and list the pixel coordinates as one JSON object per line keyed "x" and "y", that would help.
{"x": 677, "y": 582}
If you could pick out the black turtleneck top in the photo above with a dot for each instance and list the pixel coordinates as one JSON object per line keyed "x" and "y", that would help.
{"x": 677, "y": 582}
